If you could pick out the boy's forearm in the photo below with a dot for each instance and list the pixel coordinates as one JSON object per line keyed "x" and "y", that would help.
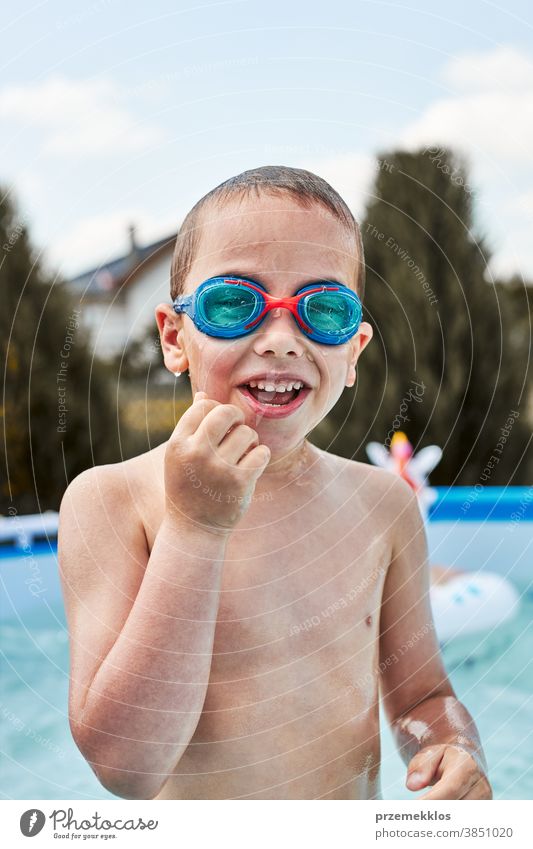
{"x": 436, "y": 720}
{"x": 146, "y": 698}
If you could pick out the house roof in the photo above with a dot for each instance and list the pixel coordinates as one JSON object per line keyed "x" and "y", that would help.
{"x": 107, "y": 278}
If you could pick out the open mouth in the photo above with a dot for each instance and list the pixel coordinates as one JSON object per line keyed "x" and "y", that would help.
{"x": 275, "y": 399}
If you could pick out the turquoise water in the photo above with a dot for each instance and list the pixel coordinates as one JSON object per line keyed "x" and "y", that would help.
{"x": 492, "y": 676}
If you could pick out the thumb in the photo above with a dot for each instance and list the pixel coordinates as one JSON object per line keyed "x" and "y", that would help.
{"x": 198, "y": 396}
{"x": 423, "y": 767}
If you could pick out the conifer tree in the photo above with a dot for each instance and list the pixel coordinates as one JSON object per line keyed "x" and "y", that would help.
{"x": 441, "y": 366}
{"x": 57, "y": 411}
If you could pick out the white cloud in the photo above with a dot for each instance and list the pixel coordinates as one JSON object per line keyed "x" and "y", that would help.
{"x": 77, "y": 117}
{"x": 507, "y": 263}
{"x": 350, "y": 174}
{"x": 504, "y": 67}
{"x": 489, "y": 123}
{"x": 524, "y": 203}
{"x": 514, "y": 254}
{"x": 490, "y": 115}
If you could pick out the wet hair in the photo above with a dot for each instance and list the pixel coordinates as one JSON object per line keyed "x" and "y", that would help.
{"x": 275, "y": 180}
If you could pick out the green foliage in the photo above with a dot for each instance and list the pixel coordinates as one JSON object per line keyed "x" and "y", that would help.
{"x": 48, "y": 364}
{"x": 438, "y": 324}
{"x": 437, "y": 321}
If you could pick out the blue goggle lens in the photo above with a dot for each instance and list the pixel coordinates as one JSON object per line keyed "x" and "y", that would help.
{"x": 330, "y": 312}
{"x": 228, "y": 306}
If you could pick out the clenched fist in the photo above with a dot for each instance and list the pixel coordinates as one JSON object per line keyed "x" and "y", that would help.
{"x": 212, "y": 463}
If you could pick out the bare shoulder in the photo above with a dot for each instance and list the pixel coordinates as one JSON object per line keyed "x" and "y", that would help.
{"x": 395, "y": 502}
{"x": 116, "y": 489}
{"x": 379, "y": 492}
{"x": 372, "y": 479}
{"x": 102, "y": 517}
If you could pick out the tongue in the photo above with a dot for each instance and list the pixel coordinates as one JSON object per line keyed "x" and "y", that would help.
{"x": 272, "y": 397}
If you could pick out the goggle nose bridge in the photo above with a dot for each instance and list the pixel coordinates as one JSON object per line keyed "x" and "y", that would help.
{"x": 275, "y": 303}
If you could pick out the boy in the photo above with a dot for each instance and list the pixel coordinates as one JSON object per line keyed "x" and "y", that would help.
{"x": 236, "y": 596}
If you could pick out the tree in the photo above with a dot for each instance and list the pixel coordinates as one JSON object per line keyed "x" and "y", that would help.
{"x": 149, "y": 398}
{"x": 57, "y": 410}
{"x": 440, "y": 366}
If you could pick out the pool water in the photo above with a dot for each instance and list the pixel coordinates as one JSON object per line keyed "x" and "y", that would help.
{"x": 493, "y": 676}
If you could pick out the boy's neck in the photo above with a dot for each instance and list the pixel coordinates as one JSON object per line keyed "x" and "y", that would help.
{"x": 293, "y": 466}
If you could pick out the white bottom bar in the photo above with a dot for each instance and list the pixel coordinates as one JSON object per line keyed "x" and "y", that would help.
{"x": 268, "y": 824}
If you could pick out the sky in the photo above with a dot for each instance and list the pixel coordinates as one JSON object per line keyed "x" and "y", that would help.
{"x": 115, "y": 112}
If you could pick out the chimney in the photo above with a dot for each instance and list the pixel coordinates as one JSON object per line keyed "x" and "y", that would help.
{"x": 133, "y": 242}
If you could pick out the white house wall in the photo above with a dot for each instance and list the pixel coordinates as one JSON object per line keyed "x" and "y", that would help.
{"x": 106, "y": 324}
{"x": 145, "y": 292}
{"x": 112, "y": 325}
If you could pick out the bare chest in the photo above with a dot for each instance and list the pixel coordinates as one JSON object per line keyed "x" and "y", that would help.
{"x": 293, "y": 681}
{"x": 299, "y": 602}
{"x": 299, "y": 598}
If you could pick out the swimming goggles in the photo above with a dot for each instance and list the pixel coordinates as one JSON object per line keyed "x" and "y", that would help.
{"x": 229, "y": 307}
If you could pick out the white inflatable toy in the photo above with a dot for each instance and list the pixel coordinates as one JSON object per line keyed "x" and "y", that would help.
{"x": 464, "y": 604}
{"x": 472, "y": 603}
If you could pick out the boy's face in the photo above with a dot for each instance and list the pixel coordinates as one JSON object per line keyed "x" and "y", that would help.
{"x": 283, "y": 246}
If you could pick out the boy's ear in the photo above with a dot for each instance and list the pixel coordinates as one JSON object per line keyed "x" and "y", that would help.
{"x": 357, "y": 344}
{"x": 169, "y": 324}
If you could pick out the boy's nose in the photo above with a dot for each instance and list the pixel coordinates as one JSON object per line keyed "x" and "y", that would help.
{"x": 278, "y": 334}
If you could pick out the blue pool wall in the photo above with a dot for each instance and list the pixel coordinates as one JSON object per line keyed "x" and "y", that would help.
{"x": 469, "y": 528}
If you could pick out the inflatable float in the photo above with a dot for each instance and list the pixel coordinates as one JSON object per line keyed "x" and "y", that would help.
{"x": 465, "y": 604}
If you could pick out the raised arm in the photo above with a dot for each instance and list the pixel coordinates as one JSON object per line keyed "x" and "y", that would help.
{"x": 435, "y": 734}
{"x": 142, "y": 627}
{"x": 141, "y": 633}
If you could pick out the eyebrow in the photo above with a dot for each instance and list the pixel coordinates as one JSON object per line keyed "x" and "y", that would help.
{"x": 255, "y": 279}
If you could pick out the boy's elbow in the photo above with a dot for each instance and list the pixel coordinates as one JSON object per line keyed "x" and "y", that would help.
{"x": 126, "y": 783}
{"x": 119, "y": 780}
{"x": 125, "y": 787}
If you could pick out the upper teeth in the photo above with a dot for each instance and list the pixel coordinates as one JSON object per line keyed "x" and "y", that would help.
{"x": 277, "y": 387}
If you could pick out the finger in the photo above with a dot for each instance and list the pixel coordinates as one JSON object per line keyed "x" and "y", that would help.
{"x": 256, "y": 460}
{"x": 449, "y": 787}
{"x": 237, "y": 443}
{"x": 456, "y": 780}
{"x": 215, "y": 427}
{"x": 460, "y": 772}
{"x": 193, "y": 416}
{"x": 423, "y": 767}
